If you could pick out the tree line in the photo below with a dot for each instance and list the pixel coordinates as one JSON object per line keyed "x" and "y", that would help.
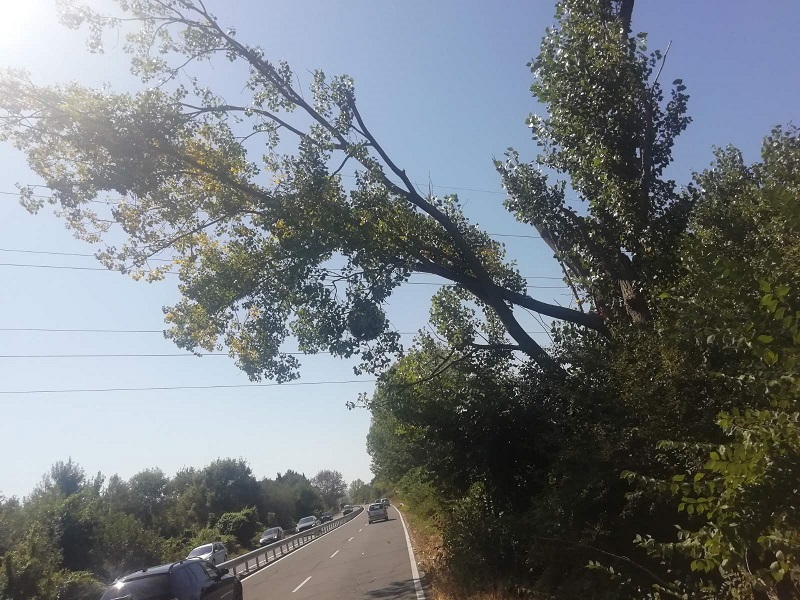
{"x": 75, "y": 533}
{"x": 651, "y": 450}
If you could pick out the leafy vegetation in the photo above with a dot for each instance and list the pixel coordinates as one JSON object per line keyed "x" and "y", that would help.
{"x": 666, "y": 405}
{"x": 74, "y": 534}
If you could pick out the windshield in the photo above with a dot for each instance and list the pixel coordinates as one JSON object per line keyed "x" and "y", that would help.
{"x": 200, "y": 551}
{"x": 305, "y": 520}
{"x": 153, "y": 587}
{"x": 268, "y": 532}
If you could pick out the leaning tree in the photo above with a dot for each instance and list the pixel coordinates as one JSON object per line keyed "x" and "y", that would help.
{"x": 270, "y": 243}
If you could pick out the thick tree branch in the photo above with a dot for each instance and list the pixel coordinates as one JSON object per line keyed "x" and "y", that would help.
{"x": 513, "y": 347}
{"x": 590, "y": 321}
{"x": 259, "y": 111}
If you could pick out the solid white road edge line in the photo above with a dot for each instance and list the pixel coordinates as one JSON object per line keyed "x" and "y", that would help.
{"x": 282, "y": 556}
{"x": 334, "y": 554}
{"x": 414, "y": 570}
{"x": 305, "y": 581}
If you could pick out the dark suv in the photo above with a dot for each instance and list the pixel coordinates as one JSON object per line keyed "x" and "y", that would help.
{"x": 186, "y": 580}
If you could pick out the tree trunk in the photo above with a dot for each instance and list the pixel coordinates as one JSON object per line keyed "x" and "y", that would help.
{"x": 635, "y": 303}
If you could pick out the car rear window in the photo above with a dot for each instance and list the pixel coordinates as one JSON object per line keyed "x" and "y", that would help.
{"x": 200, "y": 551}
{"x": 272, "y": 531}
{"x": 153, "y": 587}
{"x": 376, "y": 507}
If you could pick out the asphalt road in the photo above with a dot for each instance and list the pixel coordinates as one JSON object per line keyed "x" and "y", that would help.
{"x": 355, "y": 561}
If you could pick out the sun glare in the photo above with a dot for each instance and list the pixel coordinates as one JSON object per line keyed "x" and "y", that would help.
{"x": 18, "y": 19}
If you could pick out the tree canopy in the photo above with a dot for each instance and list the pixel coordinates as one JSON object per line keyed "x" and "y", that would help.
{"x": 269, "y": 243}
{"x": 73, "y": 535}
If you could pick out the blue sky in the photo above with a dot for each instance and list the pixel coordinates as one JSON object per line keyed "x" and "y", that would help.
{"x": 445, "y": 87}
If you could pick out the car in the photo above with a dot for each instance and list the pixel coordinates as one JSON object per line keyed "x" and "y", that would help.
{"x": 194, "y": 579}
{"x": 377, "y": 511}
{"x": 384, "y": 501}
{"x": 307, "y": 523}
{"x": 347, "y": 510}
{"x": 271, "y": 535}
{"x": 325, "y": 517}
{"x": 215, "y": 553}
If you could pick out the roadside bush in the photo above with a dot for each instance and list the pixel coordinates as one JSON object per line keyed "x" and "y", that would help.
{"x": 242, "y": 525}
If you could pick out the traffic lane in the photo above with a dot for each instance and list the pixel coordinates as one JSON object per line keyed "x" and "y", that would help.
{"x": 374, "y": 564}
{"x": 264, "y": 584}
{"x": 361, "y": 561}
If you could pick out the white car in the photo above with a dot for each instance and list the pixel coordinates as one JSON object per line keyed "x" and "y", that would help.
{"x": 215, "y": 553}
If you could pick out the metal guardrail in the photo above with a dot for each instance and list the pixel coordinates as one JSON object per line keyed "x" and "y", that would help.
{"x": 261, "y": 557}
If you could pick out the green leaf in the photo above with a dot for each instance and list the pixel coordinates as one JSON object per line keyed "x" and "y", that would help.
{"x": 714, "y": 456}
{"x": 770, "y": 357}
{"x": 765, "y": 286}
{"x": 782, "y": 291}
{"x": 678, "y": 478}
{"x": 765, "y": 339}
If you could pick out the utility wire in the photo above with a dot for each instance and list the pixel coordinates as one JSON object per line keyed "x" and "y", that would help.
{"x": 76, "y": 268}
{"x": 167, "y": 260}
{"x": 185, "y": 387}
{"x": 511, "y": 235}
{"x": 62, "y": 330}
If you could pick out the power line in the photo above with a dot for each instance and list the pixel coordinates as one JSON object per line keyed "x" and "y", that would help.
{"x": 185, "y": 387}
{"x": 167, "y": 260}
{"x": 65, "y": 330}
{"x": 53, "y": 253}
{"x": 62, "y": 330}
{"x": 77, "y": 268}
{"x": 509, "y": 235}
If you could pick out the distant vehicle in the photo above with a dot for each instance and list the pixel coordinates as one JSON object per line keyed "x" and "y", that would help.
{"x": 214, "y": 553}
{"x": 384, "y": 501}
{"x": 377, "y": 511}
{"x": 184, "y": 580}
{"x": 271, "y": 535}
{"x": 347, "y": 510}
{"x": 325, "y": 517}
{"x": 307, "y": 523}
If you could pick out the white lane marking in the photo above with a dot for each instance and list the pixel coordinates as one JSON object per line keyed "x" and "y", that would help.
{"x": 275, "y": 562}
{"x": 305, "y": 581}
{"x": 351, "y": 539}
{"x": 334, "y": 554}
{"x": 360, "y": 530}
{"x": 414, "y": 570}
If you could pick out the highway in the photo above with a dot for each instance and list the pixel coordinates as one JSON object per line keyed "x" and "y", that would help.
{"x": 355, "y": 561}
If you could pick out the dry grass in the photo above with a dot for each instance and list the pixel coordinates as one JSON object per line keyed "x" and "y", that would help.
{"x": 441, "y": 584}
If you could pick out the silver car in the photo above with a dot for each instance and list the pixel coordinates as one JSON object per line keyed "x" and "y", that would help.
{"x": 215, "y": 553}
{"x": 307, "y": 523}
{"x": 377, "y": 511}
{"x": 270, "y": 536}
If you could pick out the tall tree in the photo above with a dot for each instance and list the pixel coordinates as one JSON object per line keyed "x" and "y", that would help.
{"x": 330, "y": 485}
{"x": 276, "y": 246}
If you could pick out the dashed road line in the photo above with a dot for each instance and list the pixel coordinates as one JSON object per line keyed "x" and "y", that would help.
{"x": 351, "y": 539}
{"x": 334, "y": 554}
{"x": 305, "y": 581}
